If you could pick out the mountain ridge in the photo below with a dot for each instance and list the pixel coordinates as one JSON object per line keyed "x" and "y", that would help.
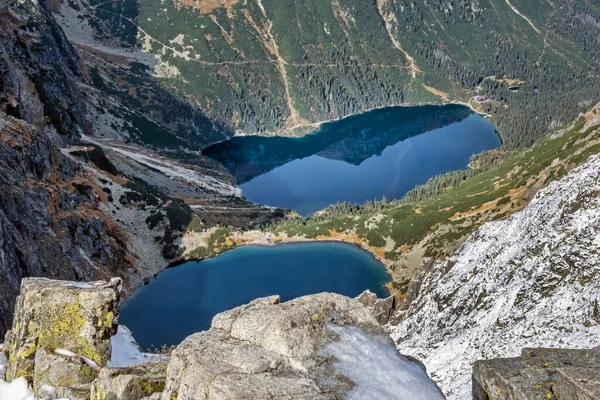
{"x": 530, "y": 280}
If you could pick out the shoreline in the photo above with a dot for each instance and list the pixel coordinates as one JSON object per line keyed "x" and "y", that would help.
{"x": 317, "y": 126}
{"x": 241, "y": 239}
{"x": 267, "y": 239}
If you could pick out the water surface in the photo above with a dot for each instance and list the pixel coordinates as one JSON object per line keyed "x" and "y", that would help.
{"x": 385, "y": 152}
{"x": 184, "y": 299}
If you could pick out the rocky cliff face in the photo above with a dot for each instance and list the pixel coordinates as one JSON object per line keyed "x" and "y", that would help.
{"x": 38, "y": 71}
{"x": 49, "y": 219}
{"x": 553, "y": 374}
{"x": 324, "y": 346}
{"x": 50, "y": 224}
{"x": 529, "y": 281}
{"x": 75, "y": 207}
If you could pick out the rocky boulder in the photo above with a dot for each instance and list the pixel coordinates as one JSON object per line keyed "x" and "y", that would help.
{"x": 131, "y": 383}
{"x": 383, "y": 309}
{"x": 291, "y": 350}
{"x": 59, "y": 323}
{"x": 62, "y": 374}
{"x": 551, "y": 374}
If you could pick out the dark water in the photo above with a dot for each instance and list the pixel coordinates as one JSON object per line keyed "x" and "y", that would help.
{"x": 385, "y": 152}
{"x": 183, "y": 300}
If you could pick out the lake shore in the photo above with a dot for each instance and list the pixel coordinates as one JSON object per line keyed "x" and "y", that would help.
{"x": 194, "y": 240}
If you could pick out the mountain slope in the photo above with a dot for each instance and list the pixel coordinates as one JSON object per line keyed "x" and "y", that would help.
{"x": 271, "y": 66}
{"x": 435, "y": 218}
{"x": 78, "y": 207}
{"x": 532, "y": 280}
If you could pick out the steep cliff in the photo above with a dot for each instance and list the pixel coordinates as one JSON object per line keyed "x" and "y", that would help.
{"x": 78, "y": 207}
{"x": 531, "y": 280}
{"x": 50, "y": 223}
{"x": 38, "y": 71}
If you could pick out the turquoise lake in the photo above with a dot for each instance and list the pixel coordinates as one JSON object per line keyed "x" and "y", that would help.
{"x": 183, "y": 300}
{"x": 385, "y": 152}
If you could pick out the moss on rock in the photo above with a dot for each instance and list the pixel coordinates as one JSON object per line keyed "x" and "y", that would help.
{"x": 52, "y": 315}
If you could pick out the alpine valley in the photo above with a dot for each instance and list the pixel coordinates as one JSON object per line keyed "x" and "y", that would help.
{"x": 453, "y": 143}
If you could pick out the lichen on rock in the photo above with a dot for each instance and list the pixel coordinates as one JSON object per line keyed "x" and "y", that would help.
{"x": 61, "y": 344}
{"x": 61, "y": 376}
{"x": 552, "y": 374}
{"x": 131, "y": 383}
{"x": 52, "y": 315}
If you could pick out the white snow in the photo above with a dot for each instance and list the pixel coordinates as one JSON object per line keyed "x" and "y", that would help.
{"x": 532, "y": 280}
{"x": 79, "y": 285}
{"x": 126, "y": 352}
{"x": 67, "y": 353}
{"x": 377, "y": 369}
{"x": 15, "y": 390}
{"x": 18, "y": 388}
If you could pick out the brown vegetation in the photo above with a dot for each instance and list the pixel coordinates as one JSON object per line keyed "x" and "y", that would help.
{"x": 206, "y": 6}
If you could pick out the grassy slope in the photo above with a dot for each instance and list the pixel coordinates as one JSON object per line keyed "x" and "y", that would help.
{"x": 436, "y": 226}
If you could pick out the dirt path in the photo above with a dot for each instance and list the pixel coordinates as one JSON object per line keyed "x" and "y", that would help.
{"x": 524, "y": 17}
{"x": 389, "y": 19}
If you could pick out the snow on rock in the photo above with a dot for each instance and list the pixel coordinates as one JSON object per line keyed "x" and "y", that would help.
{"x": 67, "y": 353}
{"x": 15, "y": 390}
{"x": 376, "y": 369}
{"x": 125, "y": 350}
{"x": 529, "y": 281}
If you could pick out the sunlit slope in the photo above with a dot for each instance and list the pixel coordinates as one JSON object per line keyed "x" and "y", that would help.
{"x": 272, "y": 65}
{"x": 435, "y": 218}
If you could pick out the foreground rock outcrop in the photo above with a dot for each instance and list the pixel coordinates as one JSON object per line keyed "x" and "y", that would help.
{"x": 552, "y": 374}
{"x": 532, "y": 280}
{"x": 324, "y": 346}
{"x": 293, "y": 350}
{"x": 61, "y": 334}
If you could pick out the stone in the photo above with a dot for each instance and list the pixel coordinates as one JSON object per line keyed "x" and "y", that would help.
{"x": 58, "y": 376}
{"x": 131, "y": 383}
{"x": 155, "y": 396}
{"x": 551, "y": 374}
{"x": 382, "y": 309}
{"x": 50, "y": 315}
{"x": 367, "y": 298}
{"x": 267, "y": 349}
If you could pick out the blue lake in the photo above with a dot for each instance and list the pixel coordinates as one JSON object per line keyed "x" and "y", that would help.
{"x": 385, "y": 152}
{"x": 184, "y": 299}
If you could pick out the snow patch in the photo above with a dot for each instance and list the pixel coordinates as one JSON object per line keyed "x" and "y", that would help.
{"x": 15, "y": 390}
{"x": 377, "y": 369}
{"x": 66, "y": 353}
{"x": 126, "y": 352}
{"x": 79, "y": 285}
